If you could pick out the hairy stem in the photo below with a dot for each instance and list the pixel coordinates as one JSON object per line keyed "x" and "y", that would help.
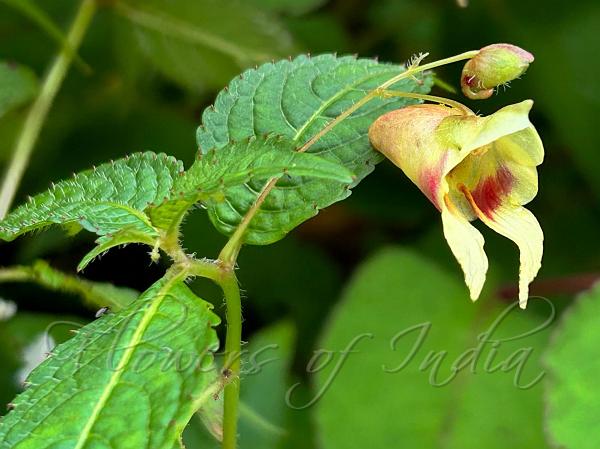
{"x": 224, "y": 276}
{"x": 232, "y": 248}
{"x": 206, "y": 268}
{"x": 233, "y": 350}
{"x": 39, "y": 110}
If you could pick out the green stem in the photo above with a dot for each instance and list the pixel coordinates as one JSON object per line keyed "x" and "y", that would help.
{"x": 94, "y": 294}
{"x": 206, "y": 268}
{"x": 233, "y": 350}
{"x": 16, "y": 274}
{"x": 39, "y": 110}
{"x": 224, "y": 276}
{"x": 230, "y": 251}
{"x": 440, "y": 100}
{"x": 232, "y": 248}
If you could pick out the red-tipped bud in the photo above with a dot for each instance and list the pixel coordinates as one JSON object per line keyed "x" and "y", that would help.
{"x": 493, "y": 66}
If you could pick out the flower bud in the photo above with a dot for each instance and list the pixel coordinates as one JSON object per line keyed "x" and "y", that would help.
{"x": 493, "y": 66}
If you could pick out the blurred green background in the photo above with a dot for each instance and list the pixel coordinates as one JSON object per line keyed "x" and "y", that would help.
{"x": 376, "y": 263}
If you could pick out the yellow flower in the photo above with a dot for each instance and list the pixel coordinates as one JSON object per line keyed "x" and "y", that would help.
{"x": 472, "y": 167}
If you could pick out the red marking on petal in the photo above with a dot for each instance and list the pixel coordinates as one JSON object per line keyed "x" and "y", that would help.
{"x": 430, "y": 184}
{"x": 489, "y": 192}
{"x": 430, "y": 181}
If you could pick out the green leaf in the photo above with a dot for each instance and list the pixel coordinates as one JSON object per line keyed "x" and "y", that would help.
{"x": 136, "y": 198}
{"x": 258, "y": 158}
{"x": 203, "y": 43}
{"x": 149, "y": 363}
{"x": 119, "y": 238}
{"x": 104, "y": 200}
{"x": 296, "y": 99}
{"x": 573, "y": 402}
{"x": 387, "y": 405}
{"x": 214, "y": 177}
{"x": 94, "y": 294}
{"x": 18, "y": 85}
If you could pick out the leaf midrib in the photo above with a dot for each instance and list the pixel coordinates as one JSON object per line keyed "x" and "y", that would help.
{"x": 138, "y": 214}
{"x": 117, "y": 373}
{"x": 332, "y": 100}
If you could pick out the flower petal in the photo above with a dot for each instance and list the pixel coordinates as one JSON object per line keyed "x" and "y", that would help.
{"x": 521, "y": 226}
{"x": 407, "y": 137}
{"x": 493, "y": 179}
{"x": 524, "y": 147}
{"x": 471, "y": 132}
{"x": 466, "y": 243}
